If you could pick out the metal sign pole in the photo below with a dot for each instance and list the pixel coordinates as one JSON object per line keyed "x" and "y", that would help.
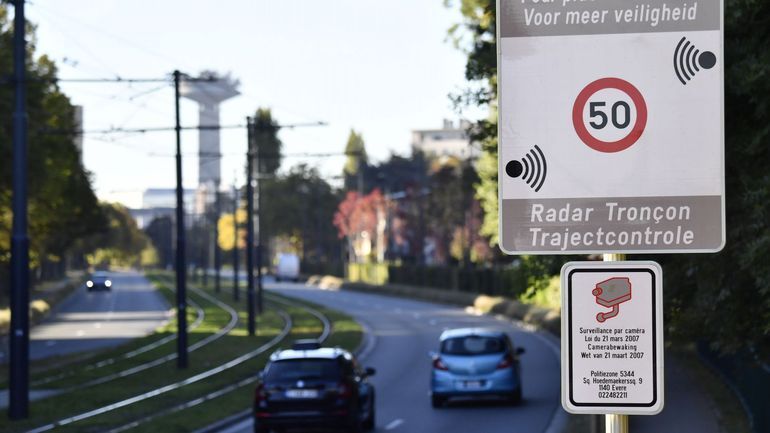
{"x": 615, "y": 423}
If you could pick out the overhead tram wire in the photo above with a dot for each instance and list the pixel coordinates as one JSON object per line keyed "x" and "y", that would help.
{"x": 98, "y": 61}
{"x": 164, "y": 129}
{"x": 262, "y": 155}
{"x": 117, "y": 37}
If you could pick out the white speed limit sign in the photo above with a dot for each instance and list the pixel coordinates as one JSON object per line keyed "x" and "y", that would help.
{"x": 610, "y": 124}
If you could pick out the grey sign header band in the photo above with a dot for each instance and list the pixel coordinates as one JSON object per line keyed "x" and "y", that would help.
{"x": 522, "y": 18}
{"x": 613, "y": 224}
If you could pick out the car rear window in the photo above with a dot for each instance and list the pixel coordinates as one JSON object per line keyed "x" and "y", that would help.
{"x": 473, "y": 345}
{"x": 303, "y": 369}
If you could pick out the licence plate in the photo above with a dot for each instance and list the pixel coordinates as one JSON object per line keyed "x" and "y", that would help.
{"x": 302, "y": 393}
{"x": 472, "y": 384}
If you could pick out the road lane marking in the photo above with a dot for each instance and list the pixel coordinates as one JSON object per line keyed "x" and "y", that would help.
{"x": 80, "y": 333}
{"x": 394, "y": 424}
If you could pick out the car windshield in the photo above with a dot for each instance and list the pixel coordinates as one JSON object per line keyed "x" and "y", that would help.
{"x": 99, "y": 276}
{"x": 472, "y": 345}
{"x": 303, "y": 369}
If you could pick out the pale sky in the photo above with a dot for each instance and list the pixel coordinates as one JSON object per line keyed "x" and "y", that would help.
{"x": 380, "y": 67}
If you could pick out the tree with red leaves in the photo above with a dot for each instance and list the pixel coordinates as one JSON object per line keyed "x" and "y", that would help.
{"x": 358, "y": 215}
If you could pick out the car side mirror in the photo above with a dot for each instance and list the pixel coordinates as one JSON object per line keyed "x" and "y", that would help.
{"x": 370, "y": 371}
{"x": 520, "y": 350}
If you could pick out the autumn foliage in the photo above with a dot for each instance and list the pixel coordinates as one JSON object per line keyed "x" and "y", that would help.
{"x": 358, "y": 213}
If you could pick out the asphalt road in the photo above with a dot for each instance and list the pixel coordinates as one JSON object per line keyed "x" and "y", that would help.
{"x": 404, "y": 332}
{"x": 93, "y": 320}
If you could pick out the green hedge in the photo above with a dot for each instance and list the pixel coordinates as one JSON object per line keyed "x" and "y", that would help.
{"x": 501, "y": 281}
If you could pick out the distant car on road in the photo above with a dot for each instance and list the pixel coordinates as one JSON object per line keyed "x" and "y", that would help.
{"x": 475, "y": 362}
{"x": 99, "y": 281}
{"x": 287, "y": 267}
{"x": 313, "y": 387}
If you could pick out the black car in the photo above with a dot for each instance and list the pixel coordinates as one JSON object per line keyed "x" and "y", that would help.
{"x": 314, "y": 387}
{"x": 98, "y": 281}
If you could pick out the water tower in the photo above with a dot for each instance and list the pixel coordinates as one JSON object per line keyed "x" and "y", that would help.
{"x": 209, "y": 95}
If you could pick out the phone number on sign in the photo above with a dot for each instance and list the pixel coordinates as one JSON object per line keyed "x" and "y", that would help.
{"x": 613, "y": 394}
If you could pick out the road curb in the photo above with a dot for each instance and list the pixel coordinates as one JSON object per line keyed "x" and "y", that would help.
{"x": 544, "y": 318}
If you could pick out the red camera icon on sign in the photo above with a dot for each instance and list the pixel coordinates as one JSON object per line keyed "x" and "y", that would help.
{"x": 611, "y": 293}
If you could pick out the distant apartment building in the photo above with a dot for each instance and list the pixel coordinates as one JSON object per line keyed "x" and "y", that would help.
{"x": 450, "y": 140}
{"x": 161, "y": 202}
{"x": 166, "y": 198}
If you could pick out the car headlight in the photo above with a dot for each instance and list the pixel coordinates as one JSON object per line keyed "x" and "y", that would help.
{"x": 89, "y": 283}
{"x": 108, "y": 283}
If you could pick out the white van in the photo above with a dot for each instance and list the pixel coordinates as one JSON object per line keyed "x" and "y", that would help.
{"x": 287, "y": 267}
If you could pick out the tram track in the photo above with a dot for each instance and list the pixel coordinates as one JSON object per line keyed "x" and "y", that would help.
{"x": 147, "y": 395}
{"x": 199, "y": 317}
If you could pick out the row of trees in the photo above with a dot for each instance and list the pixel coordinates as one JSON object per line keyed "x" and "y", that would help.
{"x": 721, "y": 298}
{"x": 67, "y": 224}
{"x": 417, "y": 209}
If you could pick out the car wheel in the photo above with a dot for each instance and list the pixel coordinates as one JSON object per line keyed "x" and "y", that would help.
{"x": 260, "y": 428}
{"x": 437, "y": 401}
{"x": 515, "y": 397}
{"x": 356, "y": 426}
{"x": 370, "y": 421}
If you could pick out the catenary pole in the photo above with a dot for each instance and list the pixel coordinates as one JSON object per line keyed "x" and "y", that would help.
{"x": 236, "y": 294}
{"x": 18, "y": 407}
{"x": 259, "y": 230}
{"x": 217, "y": 251}
{"x": 251, "y": 325}
{"x": 181, "y": 283}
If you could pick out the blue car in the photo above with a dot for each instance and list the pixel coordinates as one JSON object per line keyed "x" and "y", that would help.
{"x": 475, "y": 362}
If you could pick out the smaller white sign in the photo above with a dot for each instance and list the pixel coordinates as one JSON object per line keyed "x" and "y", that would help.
{"x": 612, "y": 338}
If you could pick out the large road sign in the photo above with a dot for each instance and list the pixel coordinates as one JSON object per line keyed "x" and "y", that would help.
{"x": 612, "y": 338}
{"x": 611, "y": 135}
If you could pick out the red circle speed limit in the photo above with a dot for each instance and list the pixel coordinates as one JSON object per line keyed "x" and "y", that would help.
{"x": 606, "y": 114}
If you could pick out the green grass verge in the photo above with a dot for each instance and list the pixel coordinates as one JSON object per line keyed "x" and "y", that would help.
{"x": 346, "y": 333}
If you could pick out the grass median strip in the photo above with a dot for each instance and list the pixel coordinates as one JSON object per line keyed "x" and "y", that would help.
{"x": 229, "y": 398}
{"x": 54, "y": 372}
{"x": 345, "y": 333}
{"x": 78, "y": 401}
{"x": 79, "y": 377}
